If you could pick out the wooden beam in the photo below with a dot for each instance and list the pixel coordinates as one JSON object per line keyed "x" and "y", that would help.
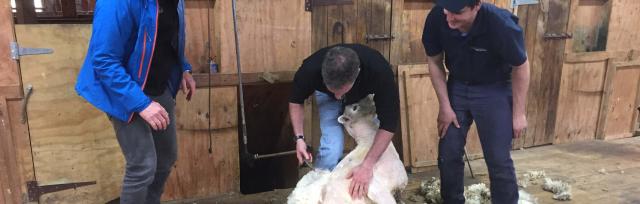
{"x": 68, "y": 8}
{"x": 220, "y": 80}
{"x": 26, "y": 12}
{"x": 10, "y": 179}
{"x": 11, "y": 92}
{"x": 606, "y": 96}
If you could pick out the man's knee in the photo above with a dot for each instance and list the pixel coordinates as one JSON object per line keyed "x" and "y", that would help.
{"x": 141, "y": 174}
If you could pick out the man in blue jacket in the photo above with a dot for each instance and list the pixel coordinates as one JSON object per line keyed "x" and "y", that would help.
{"x": 483, "y": 48}
{"x": 133, "y": 70}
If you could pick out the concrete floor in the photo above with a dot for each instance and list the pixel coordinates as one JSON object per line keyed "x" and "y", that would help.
{"x": 599, "y": 171}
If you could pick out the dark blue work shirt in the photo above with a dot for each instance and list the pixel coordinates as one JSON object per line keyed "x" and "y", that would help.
{"x": 486, "y": 54}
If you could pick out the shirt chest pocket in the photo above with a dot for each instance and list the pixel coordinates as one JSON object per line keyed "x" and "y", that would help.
{"x": 479, "y": 55}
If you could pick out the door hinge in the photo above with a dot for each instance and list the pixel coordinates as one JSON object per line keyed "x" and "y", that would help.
{"x": 34, "y": 191}
{"x": 17, "y": 51}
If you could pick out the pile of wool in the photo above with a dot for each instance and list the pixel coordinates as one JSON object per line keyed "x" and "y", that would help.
{"x": 561, "y": 190}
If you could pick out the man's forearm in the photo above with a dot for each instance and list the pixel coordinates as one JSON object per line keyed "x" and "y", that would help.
{"x": 438, "y": 79}
{"x": 520, "y": 79}
{"x": 296, "y": 113}
{"x": 380, "y": 144}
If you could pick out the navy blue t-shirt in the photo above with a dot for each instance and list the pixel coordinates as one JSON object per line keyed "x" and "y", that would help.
{"x": 485, "y": 54}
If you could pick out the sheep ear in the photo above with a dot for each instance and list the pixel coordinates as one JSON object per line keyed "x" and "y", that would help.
{"x": 342, "y": 119}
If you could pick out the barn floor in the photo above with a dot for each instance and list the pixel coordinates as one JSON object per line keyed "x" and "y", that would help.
{"x": 599, "y": 172}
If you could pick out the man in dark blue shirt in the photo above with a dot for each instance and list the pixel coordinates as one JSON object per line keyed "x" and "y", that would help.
{"x": 482, "y": 47}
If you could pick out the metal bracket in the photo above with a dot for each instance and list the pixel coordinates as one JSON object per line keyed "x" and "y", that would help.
{"x": 376, "y": 37}
{"x": 34, "y": 191}
{"x": 17, "y": 51}
{"x": 25, "y": 100}
{"x": 557, "y": 36}
{"x": 309, "y": 4}
{"x": 523, "y": 2}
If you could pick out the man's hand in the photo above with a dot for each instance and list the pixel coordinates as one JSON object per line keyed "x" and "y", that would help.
{"x": 188, "y": 85}
{"x": 519, "y": 125}
{"x": 156, "y": 116}
{"x": 446, "y": 116}
{"x": 301, "y": 152}
{"x": 360, "y": 178}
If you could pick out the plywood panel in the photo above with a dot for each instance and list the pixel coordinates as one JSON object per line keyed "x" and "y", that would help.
{"x": 200, "y": 23}
{"x": 274, "y": 35}
{"x": 579, "y": 101}
{"x": 194, "y": 115}
{"x": 198, "y": 173}
{"x": 620, "y": 121}
{"x": 419, "y": 118}
{"x": 624, "y": 25}
{"x": 71, "y": 140}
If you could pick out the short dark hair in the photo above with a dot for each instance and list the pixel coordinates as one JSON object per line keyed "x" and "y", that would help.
{"x": 340, "y": 67}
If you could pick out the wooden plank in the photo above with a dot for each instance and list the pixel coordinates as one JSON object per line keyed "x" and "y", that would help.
{"x": 194, "y": 114}
{"x": 11, "y": 92}
{"x": 71, "y": 140}
{"x": 68, "y": 8}
{"x": 582, "y": 57}
{"x": 623, "y": 27}
{"x": 9, "y": 73}
{"x": 407, "y": 29}
{"x": 200, "y": 22}
{"x": 605, "y": 107}
{"x": 10, "y": 182}
{"x": 25, "y": 12}
{"x": 221, "y": 80}
{"x": 555, "y": 19}
{"x": 336, "y": 29}
{"x": 319, "y": 28}
{"x": 197, "y": 172}
{"x": 622, "y": 104}
{"x": 620, "y": 56}
{"x": 530, "y": 16}
{"x": 404, "y": 118}
{"x": 378, "y": 17}
{"x": 579, "y": 101}
{"x": 274, "y": 35}
{"x": 22, "y": 143}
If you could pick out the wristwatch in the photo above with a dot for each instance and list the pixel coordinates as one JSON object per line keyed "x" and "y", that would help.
{"x": 298, "y": 137}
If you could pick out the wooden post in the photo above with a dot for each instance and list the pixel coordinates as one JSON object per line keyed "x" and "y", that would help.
{"x": 26, "y": 12}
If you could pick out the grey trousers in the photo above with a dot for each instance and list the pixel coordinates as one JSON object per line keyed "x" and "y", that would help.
{"x": 149, "y": 155}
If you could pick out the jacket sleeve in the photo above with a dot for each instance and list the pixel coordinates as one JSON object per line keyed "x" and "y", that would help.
{"x": 113, "y": 26}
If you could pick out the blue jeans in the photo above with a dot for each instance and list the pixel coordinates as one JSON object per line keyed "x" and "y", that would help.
{"x": 490, "y": 106}
{"x": 149, "y": 155}
{"x": 332, "y": 139}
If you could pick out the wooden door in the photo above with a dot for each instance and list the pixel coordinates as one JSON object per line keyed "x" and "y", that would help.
{"x": 71, "y": 140}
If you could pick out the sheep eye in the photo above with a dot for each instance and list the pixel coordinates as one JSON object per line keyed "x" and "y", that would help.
{"x": 355, "y": 108}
